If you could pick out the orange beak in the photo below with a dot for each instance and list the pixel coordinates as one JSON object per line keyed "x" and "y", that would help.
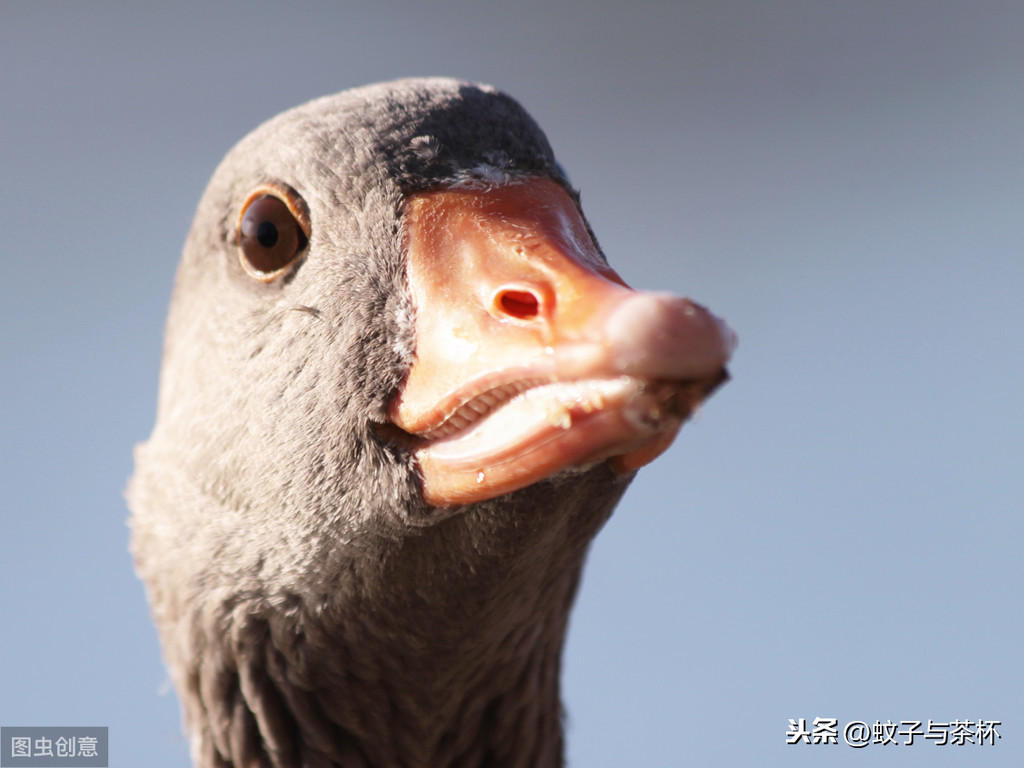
{"x": 532, "y": 355}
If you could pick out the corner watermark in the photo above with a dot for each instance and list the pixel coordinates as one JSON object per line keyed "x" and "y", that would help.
{"x": 859, "y": 733}
{"x": 53, "y": 747}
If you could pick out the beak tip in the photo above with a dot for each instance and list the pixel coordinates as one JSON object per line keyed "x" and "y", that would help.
{"x": 666, "y": 336}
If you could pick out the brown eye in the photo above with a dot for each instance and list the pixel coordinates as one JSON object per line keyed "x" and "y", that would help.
{"x": 269, "y": 236}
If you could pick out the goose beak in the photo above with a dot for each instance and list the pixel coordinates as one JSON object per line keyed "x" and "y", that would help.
{"x": 532, "y": 355}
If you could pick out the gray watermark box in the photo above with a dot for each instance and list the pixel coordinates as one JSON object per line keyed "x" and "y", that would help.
{"x": 53, "y": 747}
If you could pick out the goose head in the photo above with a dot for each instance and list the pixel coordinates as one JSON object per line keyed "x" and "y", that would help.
{"x": 402, "y": 390}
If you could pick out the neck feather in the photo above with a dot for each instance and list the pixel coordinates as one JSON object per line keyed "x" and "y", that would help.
{"x": 437, "y": 649}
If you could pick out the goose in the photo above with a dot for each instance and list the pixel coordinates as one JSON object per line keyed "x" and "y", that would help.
{"x": 401, "y": 392}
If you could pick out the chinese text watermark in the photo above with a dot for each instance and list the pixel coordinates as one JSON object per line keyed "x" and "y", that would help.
{"x": 860, "y": 733}
{"x": 53, "y": 747}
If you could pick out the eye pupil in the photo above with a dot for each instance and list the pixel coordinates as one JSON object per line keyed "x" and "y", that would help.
{"x": 269, "y": 236}
{"x": 266, "y": 234}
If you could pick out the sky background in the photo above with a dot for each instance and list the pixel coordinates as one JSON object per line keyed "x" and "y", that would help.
{"x": 838, "y": 535}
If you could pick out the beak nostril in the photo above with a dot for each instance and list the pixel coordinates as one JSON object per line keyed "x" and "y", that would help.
{"x": 522, "y": 305}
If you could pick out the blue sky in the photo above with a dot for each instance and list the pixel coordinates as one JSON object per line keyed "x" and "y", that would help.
{"x": 839, "y": 532}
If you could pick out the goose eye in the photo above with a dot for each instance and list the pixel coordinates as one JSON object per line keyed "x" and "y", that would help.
{"x": 269, "y": 236}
